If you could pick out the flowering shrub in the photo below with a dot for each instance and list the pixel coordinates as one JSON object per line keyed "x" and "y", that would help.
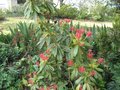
{"x": 66, "y": 60}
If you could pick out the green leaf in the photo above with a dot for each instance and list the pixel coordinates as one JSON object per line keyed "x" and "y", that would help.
{"x": 78, "y": 80}
{"x": 54, "y": 51}
{"x": 42, "y": 64}
{"x": 84, "y": 86}
{"x": 75, "y": 50}
{"x": 78, "y": 87}
{"x": 74, "y": 73}
{"x": 24, "y": 81}
{"x": 99, "y": 69}
{"x": 88, "y": 87}
{"x": 39, "y": 78}
{"x": 92, "y": 79}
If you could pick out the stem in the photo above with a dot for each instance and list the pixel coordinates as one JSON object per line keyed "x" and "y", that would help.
{"x": 70, "y": 80}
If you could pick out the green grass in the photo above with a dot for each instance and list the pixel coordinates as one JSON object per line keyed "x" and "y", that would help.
{"x": 11, "y": 22}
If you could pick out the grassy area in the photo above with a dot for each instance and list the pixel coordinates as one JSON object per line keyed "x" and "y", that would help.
{"x": 92, "y": 23}
{"x": 4, "y": 25}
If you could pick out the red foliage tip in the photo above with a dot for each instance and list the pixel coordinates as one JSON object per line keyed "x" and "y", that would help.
{"x": 82, "y": 44}
{"x": 78, "y": 35}
{"x": 41, "y": 88}
{"x": 72, "y": 28}
{"x": 81, "y": 69}
{"x": 29, "y": 75}
{"x": 47, "y": 51}
{"x": 90, "y": 55}
{"x": 30, "y": 81}
{"x": 100, "y": 60}
{"x": 34, "y": 73}
{"x": 80, "y": 87}
{"x": 70, "y": 63}
{"x": 67, "y": 20}
{"x": 88, "y": 34}
{"x": 37, "y": 63}
{"x": 43, "y": 57}
{"x": 92, "y": 73}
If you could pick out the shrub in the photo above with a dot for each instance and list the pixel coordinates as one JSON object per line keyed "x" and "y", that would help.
{"x": 2, "y": 15}
{"x": 17, "y": 11}
{"x": 101, "y": 12}
{"x": 8, "y": 71}
{"x": 83, "y": 13}
{"x": 106, "y": 44}
{"x": 5, "y": 38}
{"x": 66, "y": 11}
{"x": 25, "y": 36}
{"x": 65, "y": 60}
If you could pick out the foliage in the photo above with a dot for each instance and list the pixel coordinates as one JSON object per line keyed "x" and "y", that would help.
{"x": 66, "y": 11}
{"x": 8, "y": 72}
{"x": 83, "y": 13}
{"x": 101, "y": 12}
{"x": 2, "y": 14}
{"x": 115, "y": 83}
{"x": 41, "y": 8}
{"x": 17, "y": 11}
{"x": 25, "y": 36}
{"x": 107, "y": 45}
{"x": 5, "y": 38}
{"x": 65, "y": 62}
{"x": 58, "y": 56}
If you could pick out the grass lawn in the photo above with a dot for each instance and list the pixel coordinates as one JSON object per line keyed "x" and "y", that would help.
{"x": 91, "y": 23}
{"x": 11, "y": 21}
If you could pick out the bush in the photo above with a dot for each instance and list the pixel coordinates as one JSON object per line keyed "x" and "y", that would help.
{"x": 83, "y": 13}
{"x": 65, "y": 60}
{"x": 66, "y": 11}
{"x": 2, "y": 14}
{"x": 107, "y": 45}
{"x": 100, "y": 12}
{"x": 115, "y": 83}
{"x": 8, "y": 71}
{"x": 5, "y": 38}
{"x": 25, "y": 36}
{"x": 17, "y": 11}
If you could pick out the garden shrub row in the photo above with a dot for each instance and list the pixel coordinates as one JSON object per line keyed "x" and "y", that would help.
{"x": 97, "y": 13}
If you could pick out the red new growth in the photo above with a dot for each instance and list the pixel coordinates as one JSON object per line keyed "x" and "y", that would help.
{"x": 37, "y": 63}
{"x": 30, "y": 81}
{"x": 100, "y": 60}
{"x": 67, "y": 20}
{"x": 92, "y": 73}
{"x": 80, "y": 87}
{"x": 43, "y": 57}
{"x": 70, "y": 63}
{"x": 88, "y": 34}
{"x": 90, "y": 54}
{"x": 72, "y": 28}
{"x": 81, "y": 69}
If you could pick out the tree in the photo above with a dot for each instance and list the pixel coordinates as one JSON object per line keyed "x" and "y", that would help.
{"x": 39, "y": 8}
